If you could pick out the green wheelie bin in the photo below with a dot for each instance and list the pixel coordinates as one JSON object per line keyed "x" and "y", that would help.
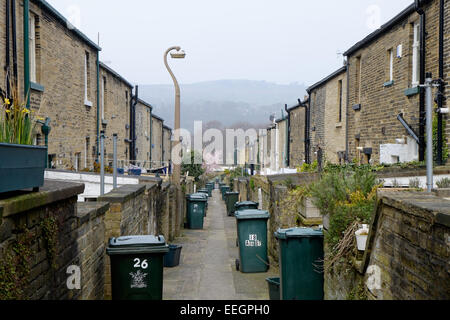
{"x": 231, "y": 198}
{"x": 252, "y": 234}
{"x": 196, "y": 210}
{"x": 224, "y": 190}
{"x": 301, "y": 263}
{"x": 245, "y": 205}
{"x": 209, "y": 187}
{"x": 137, "y": 264}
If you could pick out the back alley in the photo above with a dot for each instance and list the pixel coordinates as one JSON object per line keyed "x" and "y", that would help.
{"x": 207, "y": 266}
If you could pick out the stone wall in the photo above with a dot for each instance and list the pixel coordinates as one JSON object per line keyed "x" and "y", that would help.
{"x": 407, "y": 255}
{"x": 447, "y": 59}
{"x": 49, "y": 234}
{"x": 51, "y": 231}
{"x": 91, "y": 246}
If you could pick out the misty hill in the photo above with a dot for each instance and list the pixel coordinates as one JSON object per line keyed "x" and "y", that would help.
{"x": 227, "y": 101}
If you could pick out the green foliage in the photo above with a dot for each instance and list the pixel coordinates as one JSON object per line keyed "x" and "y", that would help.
{"x": 235, "y": 173}
{"x": 443, "y": 183}
{"x": 309, "y": 167}
{"x": 15, "y": 268}
{"x": 195, "y": 170}
{"x": 346, "y": 194}
{"x": 290, "y": 204}
{"x": 358, "y": 293}
{"x": 414, "y": 183}
{"x": 50, "y": 234}
{"x": 289, "y": 183}
{"x": 252, "y": 184}
{"x": 16, "y": 121}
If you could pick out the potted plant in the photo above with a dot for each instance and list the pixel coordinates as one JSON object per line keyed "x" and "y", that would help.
{"x": 361, "y": 237}
{"x": 22, "y": 165}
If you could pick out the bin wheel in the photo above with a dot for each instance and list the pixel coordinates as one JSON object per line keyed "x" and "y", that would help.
{"x": 237, "y": 264}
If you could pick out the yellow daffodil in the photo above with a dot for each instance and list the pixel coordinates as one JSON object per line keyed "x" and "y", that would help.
{"x": 25, "y": 110}
{"x": 7, "y": 102}
{"x": 8, "y": 111}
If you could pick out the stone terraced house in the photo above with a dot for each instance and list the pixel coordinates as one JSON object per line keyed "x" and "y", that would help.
{"x": 167, "y": 146}
{"x": 372, "y": 110}
{"x": 328, "y": 117}
{"x": 115, "y": 93}
{"x": 62, "y": 74}
{"x": 157, "y": 141}
{"x": 69, "y": 85}
{"x": 386, "y": 106}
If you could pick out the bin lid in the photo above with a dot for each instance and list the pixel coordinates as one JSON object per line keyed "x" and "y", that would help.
{"x": 197, "y": 197}
{"x": 245, "y": 204}
{"x": 137, "y": 245}
{"x": 252, "y": 214}
{"x": 298, "y": 233}
{"x": 231, "y": 193}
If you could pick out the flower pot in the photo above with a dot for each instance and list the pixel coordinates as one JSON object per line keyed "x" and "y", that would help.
{"x": 361, "y": 241}
{"x": 21, "y": 167}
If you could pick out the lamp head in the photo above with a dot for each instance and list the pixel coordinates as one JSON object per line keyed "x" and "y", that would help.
{"x": 180, "y": 54}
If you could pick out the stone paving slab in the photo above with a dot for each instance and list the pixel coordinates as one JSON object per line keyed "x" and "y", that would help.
{"x": 207, "y": 266}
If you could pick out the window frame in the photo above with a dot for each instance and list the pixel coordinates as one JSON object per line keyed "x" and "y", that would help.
{"x": 32, "y": 47}
{"x": 415, "y": 65}
{"x": 87, "y": 102}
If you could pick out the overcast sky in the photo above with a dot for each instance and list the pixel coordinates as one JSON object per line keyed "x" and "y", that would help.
{"x": 280, "y": 41}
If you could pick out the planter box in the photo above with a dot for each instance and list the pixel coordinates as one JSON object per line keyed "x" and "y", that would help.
{"x": 21, "y": 167}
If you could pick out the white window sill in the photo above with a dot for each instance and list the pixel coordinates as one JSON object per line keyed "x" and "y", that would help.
{"x": 339, "y": 125}
{"x": 88, "y": 103}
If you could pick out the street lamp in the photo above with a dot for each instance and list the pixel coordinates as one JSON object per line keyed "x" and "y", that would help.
{"x": 179, "y": 54}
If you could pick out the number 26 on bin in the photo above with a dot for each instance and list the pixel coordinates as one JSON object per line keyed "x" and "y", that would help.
{"x": 138, "y": 264}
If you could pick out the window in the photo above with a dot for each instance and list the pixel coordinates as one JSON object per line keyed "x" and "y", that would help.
{"x": 340, "y": 101}
{"x": 390, "y": 57}
{"x": 103, "y": 97}
{"x": 77, "y": 162}
{"x": 87, "y": 80}
{"x": 33, "y": 47}
{"x": 416, "y": 55}
{"x": 358, "y": 79}
{"x": 86, "y": 152}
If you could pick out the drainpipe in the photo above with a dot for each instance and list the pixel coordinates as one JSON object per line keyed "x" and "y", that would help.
{"x": 422, "y": 112}
{"x": 26, "y": 50}
{"x": 307, "y": 125}
{"x": 151, "y": 135}
{"x": 8, "y": 62}
{"x": 288, "y": 136}
{"x": 14, "y": 41}
{"x": 98, "y": 104}
{"x": 347, "y": 112}
{"x": 162, "y": 144}
{"x": 134, "y": 101}
{"x": 440, "y": 99}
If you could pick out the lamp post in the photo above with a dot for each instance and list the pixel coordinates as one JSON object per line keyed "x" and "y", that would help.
{"x": 176, "y": 166}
